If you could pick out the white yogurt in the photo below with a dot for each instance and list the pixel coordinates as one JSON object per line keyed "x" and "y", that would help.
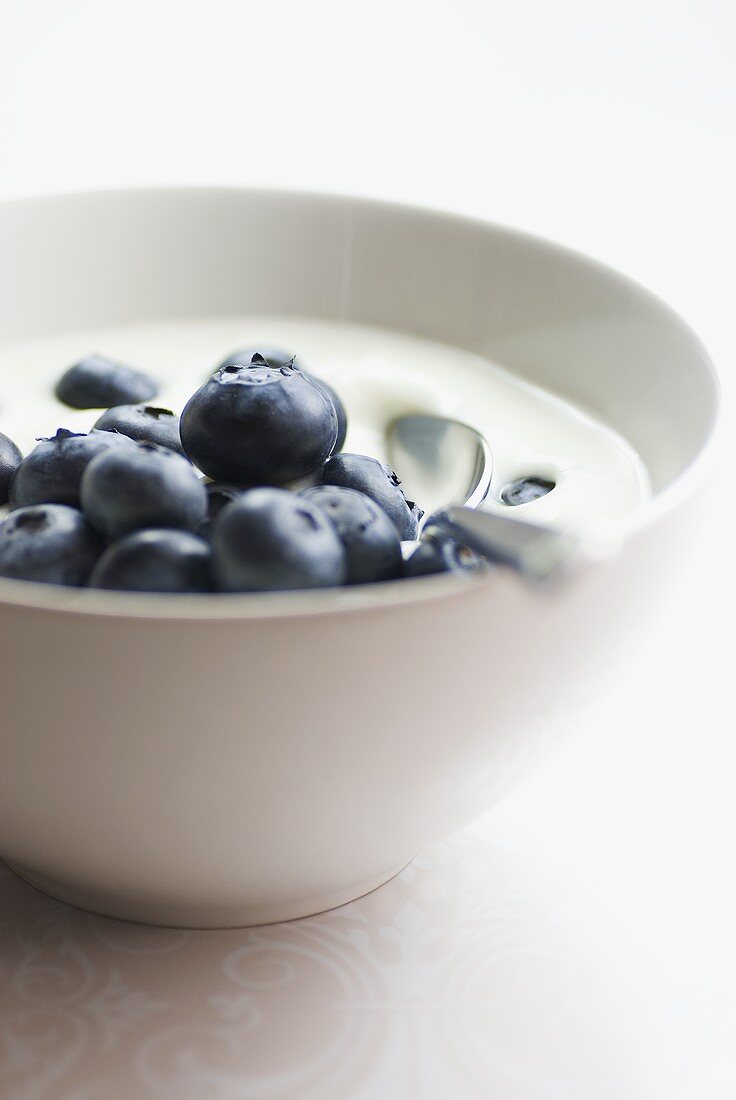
{"x": 379, "y": 375}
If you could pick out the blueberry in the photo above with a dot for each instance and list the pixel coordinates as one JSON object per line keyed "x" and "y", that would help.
{"x": 380, "y": 483}
{"x": 258, "y": 425}
{"x": 155, "y": 560}
{"x": 270, "y": 539}
{"x": 48, "y": 542}
{"x": 219, "y": 495}
{"x": 277, "y": 357}
{"x": 10, "y": 460}
{"x": 525, "y": 490}
{"x": 140, "y": 486}
{"x": 371, "y": 541}
{"x": 144, "y": 423}
{"x": 52, "y": 472}
{"x": 438, "y": 552}
{"x": 97, "y": 383}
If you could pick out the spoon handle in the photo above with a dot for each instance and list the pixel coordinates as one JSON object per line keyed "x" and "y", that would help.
{"x": 538, "y": 553}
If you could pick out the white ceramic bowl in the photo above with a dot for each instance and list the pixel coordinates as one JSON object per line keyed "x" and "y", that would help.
{"x": 215, "y": 761}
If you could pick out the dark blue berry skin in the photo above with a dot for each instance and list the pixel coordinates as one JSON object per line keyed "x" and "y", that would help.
{"x": 144, "y": 423}
{"x": 126, "y": 489}
{"x": 277, "y": 357}
{"x": 271, "y": 539}
{"x": 258, "y": 425}
{"x": 10, "y": 460}
{"x": 52, "y": 472}
{"x": 98, "y": 383}
{"x": 219, "y": 495}
{"x": 342, "y": 416}
{"x": 525, "y": 490}
{"x": 371, "y": 541}
{"x": 155, "y": 560}
{"x": 380, "y": 483}
{"x": 439, "y": 553}
{"x": 50, "y": 543}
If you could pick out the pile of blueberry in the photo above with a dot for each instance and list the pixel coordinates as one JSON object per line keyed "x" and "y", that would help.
{"x": 249, "y": 490}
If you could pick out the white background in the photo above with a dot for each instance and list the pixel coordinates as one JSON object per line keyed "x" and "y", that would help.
{"x": 606, "y": 124}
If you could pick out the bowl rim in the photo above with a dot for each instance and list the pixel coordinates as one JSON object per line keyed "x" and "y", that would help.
{"x": 390, "y": 594}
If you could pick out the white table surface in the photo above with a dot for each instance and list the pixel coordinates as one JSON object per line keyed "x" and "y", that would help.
{"x": 577, "y": 942}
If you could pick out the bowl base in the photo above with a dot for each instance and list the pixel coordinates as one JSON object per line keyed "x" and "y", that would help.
{"x": 103, "y": 904}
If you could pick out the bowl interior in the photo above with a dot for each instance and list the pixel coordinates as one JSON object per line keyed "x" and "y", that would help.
{"x": 558, "y": 319}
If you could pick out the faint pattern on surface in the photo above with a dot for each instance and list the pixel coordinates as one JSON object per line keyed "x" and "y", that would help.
{"x": 453, "y": 980}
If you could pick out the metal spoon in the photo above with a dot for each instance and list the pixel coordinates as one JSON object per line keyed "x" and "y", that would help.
{"x": 447, "y": 466}
{"x": 441, "y": 462}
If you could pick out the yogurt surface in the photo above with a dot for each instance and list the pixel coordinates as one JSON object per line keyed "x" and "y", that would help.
{"x": 379, "y": 375}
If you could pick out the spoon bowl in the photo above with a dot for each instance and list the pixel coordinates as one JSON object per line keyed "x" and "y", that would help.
{"x": 441, "y": 462}
{"x": 448, "y": 466}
